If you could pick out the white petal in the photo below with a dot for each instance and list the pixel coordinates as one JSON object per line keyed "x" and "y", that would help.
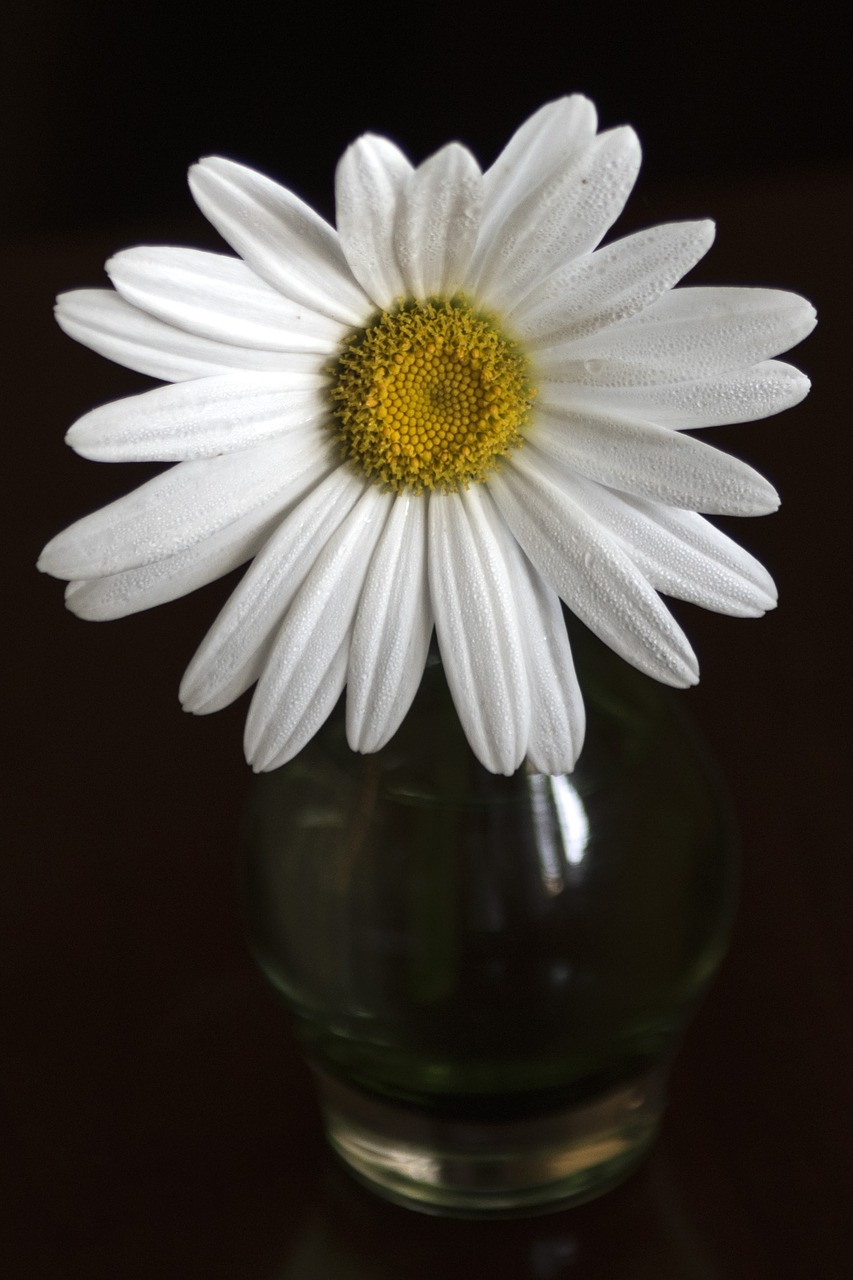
{"x": 478, "y": 627}
{"x": 120, "y": 594}
{"x": 102, "y": 320}
{"x": 741, "y": 395}
{"x": 652, "y": 462}
{"x": 607, "y": 286}
{"x": 392, "y": 630}
{"x": 562, "y": 219}
{"x": 368, "y": 184}
{"x": 688, "y": 333}
{"x": 283, "y": 240}
{"x": 547, "y": 141}
{"x": 302, "y": 679}
{"x": 221, "y": 298}
{"x": 200, "y": 418}
{"x": 679, "y": 552}
{"x": 557, "y": 721}
{"x": 324, "y": 696}
{"x": 438, "y": 221}
{"x": 591, "y": 572}
{"x": 232, "y": 654}
{"x": 181, "y": 507}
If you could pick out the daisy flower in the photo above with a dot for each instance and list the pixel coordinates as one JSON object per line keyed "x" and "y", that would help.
{"x": 452, "y": 411}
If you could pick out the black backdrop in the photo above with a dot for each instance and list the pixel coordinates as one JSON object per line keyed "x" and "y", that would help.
{"x": 106, "y": 104}
{"x": 154, "y": 1118}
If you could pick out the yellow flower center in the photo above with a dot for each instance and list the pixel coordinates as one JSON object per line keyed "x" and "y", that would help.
{"x": 430, "y": 397}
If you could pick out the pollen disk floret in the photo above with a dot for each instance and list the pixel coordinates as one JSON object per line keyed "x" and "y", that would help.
{"x": 430, "y": 396}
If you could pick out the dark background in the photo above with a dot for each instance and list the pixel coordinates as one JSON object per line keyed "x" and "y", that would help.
{"x": 106, "y": 104}
{"x": 154, "y": 1117}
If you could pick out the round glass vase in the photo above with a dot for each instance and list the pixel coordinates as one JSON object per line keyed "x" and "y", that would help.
{"x": 490, "y": 975}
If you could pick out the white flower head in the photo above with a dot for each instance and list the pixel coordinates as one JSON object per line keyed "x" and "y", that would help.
{"x": 455, "y": 410}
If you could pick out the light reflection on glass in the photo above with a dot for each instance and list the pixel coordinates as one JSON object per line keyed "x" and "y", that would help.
{"x": 562, "y": 827}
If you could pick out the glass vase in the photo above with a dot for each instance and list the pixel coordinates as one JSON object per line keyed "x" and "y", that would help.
{"x": 490, "y": 975}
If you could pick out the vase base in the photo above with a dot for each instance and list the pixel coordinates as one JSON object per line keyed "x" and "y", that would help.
{"x": 461, "y": 1168}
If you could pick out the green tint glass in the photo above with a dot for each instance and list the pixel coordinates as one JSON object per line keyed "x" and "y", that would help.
{"x": 470, "y": 950}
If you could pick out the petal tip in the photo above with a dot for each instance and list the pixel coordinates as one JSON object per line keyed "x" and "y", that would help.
{"x": 76, "y": 440}
{"x": 205, "y": 163}
{"x": 803, "y": 317}
{"x": 627, "y": 135}
{"x": 769, "y": 502}
{"x": 49, "y": 561}
{"x": 63, "y": 305}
